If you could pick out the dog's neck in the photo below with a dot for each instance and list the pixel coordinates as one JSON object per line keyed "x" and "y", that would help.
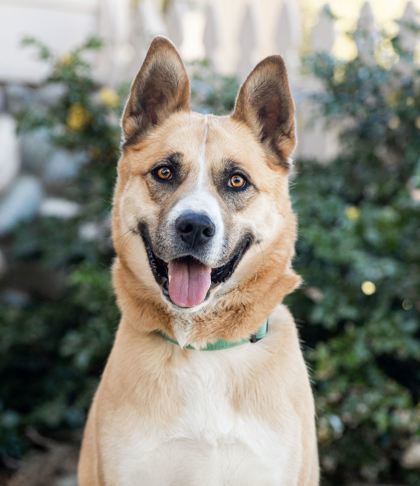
{"x": 221, "y": 343}
{"x": 232, "y": 317}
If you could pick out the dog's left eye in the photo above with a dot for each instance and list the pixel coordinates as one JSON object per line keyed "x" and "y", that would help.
{"x": 237, "y": 181}
{"x": 163, "y": 173}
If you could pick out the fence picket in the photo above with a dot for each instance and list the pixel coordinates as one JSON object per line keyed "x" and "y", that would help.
{"x": 173, "y": 21}
{"x": 366, "y": 34}
{"x": 315, "y": 141}
{"x": 211, "y": 34}
{"x": 114, "y": 29}
{"x": 408, "y": 35}
{"x": 287, "y": 38}
{"x": 247, "y": 42}
{"x": 323, "y": 34}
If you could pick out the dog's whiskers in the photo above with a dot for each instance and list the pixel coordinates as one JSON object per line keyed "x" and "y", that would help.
{"x": 124, "y": 238}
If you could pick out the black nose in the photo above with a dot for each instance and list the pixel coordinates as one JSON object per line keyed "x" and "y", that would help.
{"x": 195, "y": 229}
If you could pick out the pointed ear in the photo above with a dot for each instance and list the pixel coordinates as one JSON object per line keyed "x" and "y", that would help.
{"x": 160, "y": 88}
{"x": 265, "y": 104}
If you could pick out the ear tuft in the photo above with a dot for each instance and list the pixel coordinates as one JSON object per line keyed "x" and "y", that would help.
{"x": 160, "y": 88}
{"x": 265, "y": 104}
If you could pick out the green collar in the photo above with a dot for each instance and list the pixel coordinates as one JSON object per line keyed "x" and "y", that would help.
{"x": 222, "y": 344}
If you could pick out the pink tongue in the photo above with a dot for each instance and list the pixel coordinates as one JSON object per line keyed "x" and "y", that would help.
{"x": 188, "y": 282}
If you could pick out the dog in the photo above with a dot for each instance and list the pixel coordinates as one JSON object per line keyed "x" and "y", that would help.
{"x": 206, "y": 383}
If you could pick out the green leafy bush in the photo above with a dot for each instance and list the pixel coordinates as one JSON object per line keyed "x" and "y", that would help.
{"x": 359, "y": 255}
{"x": 54, "y": 343}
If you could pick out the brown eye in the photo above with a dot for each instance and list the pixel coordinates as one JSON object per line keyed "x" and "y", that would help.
{"x": 163, "y": 173}
{"x": 237, "y": 181}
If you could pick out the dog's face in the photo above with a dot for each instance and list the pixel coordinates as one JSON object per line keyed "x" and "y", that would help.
{"x": 200, "y": 198}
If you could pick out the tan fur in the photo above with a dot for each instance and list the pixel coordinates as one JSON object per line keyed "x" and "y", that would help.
{"x": 141, "y": 388}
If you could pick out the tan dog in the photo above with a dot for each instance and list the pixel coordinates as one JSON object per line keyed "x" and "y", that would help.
{"x": 204, "y": 234}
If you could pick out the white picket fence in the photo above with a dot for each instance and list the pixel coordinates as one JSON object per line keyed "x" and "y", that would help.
{"x": 233, "y": 35}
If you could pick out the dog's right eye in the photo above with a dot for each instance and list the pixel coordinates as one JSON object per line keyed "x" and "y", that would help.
{"x": 163, "y": 173}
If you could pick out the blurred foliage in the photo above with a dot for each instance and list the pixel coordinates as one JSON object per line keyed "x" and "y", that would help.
{"x": 359, "y": 255}
{"x": 55, "y": 341}
{"x": 358, "y": 311}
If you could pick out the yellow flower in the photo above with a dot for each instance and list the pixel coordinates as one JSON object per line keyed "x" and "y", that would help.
{"x": 324, "y": 433}
{"x": 394, "y": 123}
{"x": 352, "y": 213}
{"x": 77, "y": 118}
{"x": 392, "y": 98}
{"x": 109, "y": 97}
{"x": 368, "y": 287}
{"x": 66, "y": 60}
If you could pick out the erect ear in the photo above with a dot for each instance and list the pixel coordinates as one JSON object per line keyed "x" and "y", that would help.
{"x": 160, "y": 88}
{"x": 265, "y": 104}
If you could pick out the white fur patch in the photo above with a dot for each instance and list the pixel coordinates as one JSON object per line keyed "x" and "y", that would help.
{"x": 210, "y": 443}
{"x": 181, "y": 326}
{"x": 201, "y": 200}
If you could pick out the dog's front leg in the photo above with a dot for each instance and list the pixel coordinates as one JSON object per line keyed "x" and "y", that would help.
{"x": 88, "y": 472}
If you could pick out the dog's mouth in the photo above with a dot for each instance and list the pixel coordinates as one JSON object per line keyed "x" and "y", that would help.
{"x": 186, "y": 281}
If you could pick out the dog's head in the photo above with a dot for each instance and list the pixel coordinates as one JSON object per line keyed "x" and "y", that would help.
{"x": 202, "y": 201}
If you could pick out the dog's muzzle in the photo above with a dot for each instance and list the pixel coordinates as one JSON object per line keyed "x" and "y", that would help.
{"x": 186, "y": 280}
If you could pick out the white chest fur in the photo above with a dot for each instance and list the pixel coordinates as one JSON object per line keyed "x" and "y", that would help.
{"x": 209, "y": 443}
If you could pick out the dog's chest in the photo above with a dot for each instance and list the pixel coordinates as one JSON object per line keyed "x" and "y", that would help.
{"x": 209, "y": 443}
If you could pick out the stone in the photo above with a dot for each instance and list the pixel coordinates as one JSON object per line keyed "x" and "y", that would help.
{"x": 63, "y": 166}
{"x": 35, "y": 149}
{"x": 89, "y": 231}
{"x": 18, "y": 97}
{"x": 9, "y": 153}
{"x": 21, "y": 203}
{"x": 2, "y": 100}
{"x": 70, "y": 480}
{"x": 99, "y": 231}
{"x": 49, "y": 94}
{"x": 15, "y": 298}
{"x": 55, "y": 207}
